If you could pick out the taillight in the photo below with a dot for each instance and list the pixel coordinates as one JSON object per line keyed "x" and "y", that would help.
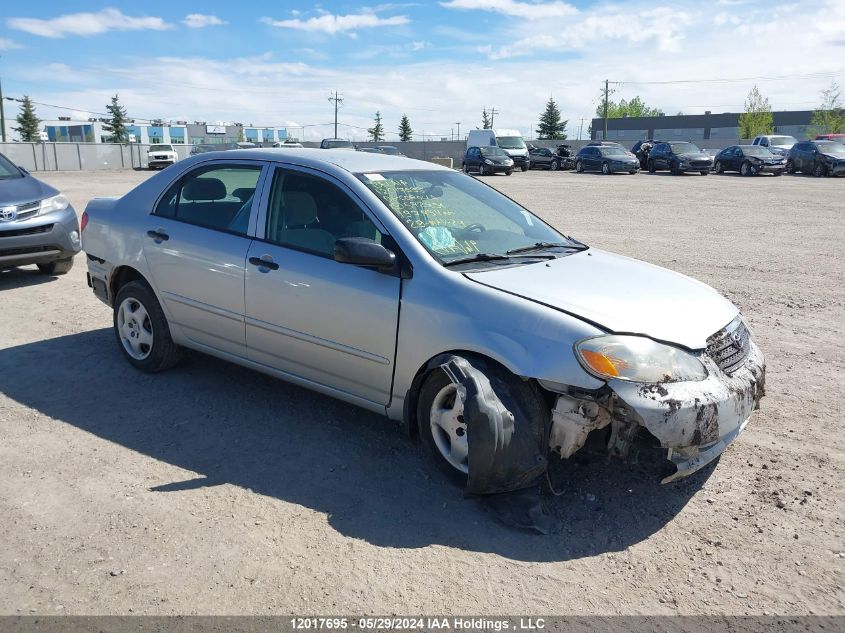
{"x": 84, "y": 222}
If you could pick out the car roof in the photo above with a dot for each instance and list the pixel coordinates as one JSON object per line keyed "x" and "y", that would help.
{"x": 353, "y": 162}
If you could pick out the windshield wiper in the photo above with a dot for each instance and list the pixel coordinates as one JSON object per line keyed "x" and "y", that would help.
{"x": 540, "y": 245}
{"x": 478, "y": 257}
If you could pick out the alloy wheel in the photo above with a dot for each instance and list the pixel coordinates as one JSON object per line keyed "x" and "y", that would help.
{"x": 135, "y": 328}
{"x": 448, "y": 428}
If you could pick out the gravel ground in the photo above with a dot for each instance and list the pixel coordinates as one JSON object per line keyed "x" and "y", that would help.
{"x": 216, "y": 490}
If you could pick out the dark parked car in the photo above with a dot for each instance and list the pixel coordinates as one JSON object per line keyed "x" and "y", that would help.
{"x": 37, "y": 223}
{"x": 336, "y": 143}
{"x": 544, "y": 158}
{"x": 679, "y": 157}
{"x": 820, "y": 158}
{"x": 749, "y": 160}
{"x": 202, "y": 149}
{"x": 487, "y": 160}
{"x": 605, "y": 158}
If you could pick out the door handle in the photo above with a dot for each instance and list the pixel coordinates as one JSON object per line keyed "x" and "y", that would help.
{"x": 261, "y": 262}
{"x": 159, "y": 236}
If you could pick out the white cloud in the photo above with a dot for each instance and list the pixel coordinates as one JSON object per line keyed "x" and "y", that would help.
{"x": 514, "y": 8}
{"x": 199, "y": 21}
{"x": 329, "y": 23}
{"x": 7, "y": 45}
{"x": 87, "y": 24}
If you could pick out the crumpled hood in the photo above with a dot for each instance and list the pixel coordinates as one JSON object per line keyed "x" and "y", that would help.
{"x": 23, "y": 190}
{"x": 620, "y": 294}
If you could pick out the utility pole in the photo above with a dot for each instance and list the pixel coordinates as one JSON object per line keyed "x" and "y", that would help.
{"x": 605, "y": 108}
{"x": 337, "y": 100}
{"x": 493, "y": 113}
{"x": 580, "y": 128}
{"x": 458, "y": 123}
{"x": 2, "y": 117}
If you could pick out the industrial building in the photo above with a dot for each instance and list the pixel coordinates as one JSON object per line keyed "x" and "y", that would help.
{"x": 67, "y": 130}
{"x": 718, "y": 128}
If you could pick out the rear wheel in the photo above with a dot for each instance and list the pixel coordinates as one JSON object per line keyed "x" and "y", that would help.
{"x": 605, "y": 169}
{"x": 141, "y": 329}
{"x": 819, "y": 171}
{"x": 579, "y": 167}
{"x": 555, "y": 165}
{"x": 58, "y": 267}
{"x": 719, "y": 167}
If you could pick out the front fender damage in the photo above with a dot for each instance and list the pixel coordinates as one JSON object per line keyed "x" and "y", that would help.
{"x": 507, "y": 440}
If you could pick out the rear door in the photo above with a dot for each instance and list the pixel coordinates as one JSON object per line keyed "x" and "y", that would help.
{"x": 196, "y": 246}
{"x": 307, "y": 315}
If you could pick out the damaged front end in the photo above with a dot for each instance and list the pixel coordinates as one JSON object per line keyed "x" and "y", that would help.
{"x": 693, "y": 420}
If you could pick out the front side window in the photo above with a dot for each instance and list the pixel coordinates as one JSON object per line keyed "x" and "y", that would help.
{"x": 310, "y": 213}
{"x": 455, "y": 216}
{"x": 8, "y": 169}
{"x": 216, "y": 197}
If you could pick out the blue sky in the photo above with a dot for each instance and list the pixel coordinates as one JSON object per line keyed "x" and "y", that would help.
{"x": 438, "y": 62}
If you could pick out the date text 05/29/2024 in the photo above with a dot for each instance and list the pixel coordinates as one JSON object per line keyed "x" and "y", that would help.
{"x": 465, "y": 624}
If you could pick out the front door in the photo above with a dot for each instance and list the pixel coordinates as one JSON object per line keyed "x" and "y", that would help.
{"x": 196, "y": 244}
{"x": 307, "y": 315}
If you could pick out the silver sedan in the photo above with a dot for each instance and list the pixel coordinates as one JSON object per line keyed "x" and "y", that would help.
{"x": 422, "y": 293}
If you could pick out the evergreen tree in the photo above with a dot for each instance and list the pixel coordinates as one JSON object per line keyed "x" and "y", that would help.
{"x": 28, "y": 123}
{"x": 117, "y": 123}
{"x": 757, "y": 118}
{"x": 405, "y": 131}
{"x": 377, "y": 131}
{"x": 550, "y": 126}
{"x": 830, "y": 117}
{"x": 486, "y": 123}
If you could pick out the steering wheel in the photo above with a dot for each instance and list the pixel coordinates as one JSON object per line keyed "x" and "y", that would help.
{"x": 474, "y": 228}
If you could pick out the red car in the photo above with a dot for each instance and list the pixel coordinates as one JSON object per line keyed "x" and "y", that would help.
{"x": 838, "y": 138}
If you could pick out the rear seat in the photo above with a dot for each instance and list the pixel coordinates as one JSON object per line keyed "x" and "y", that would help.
{"x": 204, "y": 202}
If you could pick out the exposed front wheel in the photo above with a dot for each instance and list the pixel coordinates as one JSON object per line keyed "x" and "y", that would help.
{"x": 555, "y": 165}
{"x": 141, "y": 329}
{"x": 605, "y": 169}
{"x": 819, "y": 171}
{"x": 482, "y": 169}
{"x": 745, "y": 169}
{"x": 58, "y": 267}
{"x": 719, "y": 168}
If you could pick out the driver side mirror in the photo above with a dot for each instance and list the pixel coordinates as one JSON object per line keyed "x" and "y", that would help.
{"x": 23, "y": 171}
{"x": 363, "y": 251}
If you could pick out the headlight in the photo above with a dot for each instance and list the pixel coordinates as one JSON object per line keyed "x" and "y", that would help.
{"x": 488, "y": 161}
{"x": 55, "y": 203}
{"x": 637, "y": 358}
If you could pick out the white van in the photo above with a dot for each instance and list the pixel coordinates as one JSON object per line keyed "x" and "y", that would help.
{"x": 510, "y": 141}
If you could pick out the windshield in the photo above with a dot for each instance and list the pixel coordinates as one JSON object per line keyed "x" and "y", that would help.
{"x": 685, "y": 148}
{"x": 783, "y": 140}
{"x": 455, "y": 216}
{"x": 612, "y": 151}
{"x": 492, "y": 151}
{"x": 161, "y": 148}
{"x": 510, "y": 142}
{"x": 336, "y": 144}
{"x": 755, "y": 150}
{"x": 387, "y": 149}
{"x": 8, "y": 169}
{"x": 836, "y": 149}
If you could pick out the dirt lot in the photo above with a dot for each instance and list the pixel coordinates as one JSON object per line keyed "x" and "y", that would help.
{"x": 212, "y": 489}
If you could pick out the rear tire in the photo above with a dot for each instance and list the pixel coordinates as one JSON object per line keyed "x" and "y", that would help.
{"x": 58, "y": 267}
{"x": 605, "y": 169}
{"x": 579, "y": 167}
{"x": 819, "y": 170}
{"x": 141, "y": 329}
{"x": 555, "y": 165}
{"x": 719, "y": 168}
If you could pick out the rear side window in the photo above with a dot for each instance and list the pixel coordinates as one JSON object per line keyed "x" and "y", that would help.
{"x": 216, "y": 197}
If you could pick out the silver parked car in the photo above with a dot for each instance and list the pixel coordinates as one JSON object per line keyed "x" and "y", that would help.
{"x": 420, "y": 292}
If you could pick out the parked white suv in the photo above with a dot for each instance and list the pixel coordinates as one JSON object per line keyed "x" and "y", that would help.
{"x": 779, "y": 144}
{"x": 160, "y": 156}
